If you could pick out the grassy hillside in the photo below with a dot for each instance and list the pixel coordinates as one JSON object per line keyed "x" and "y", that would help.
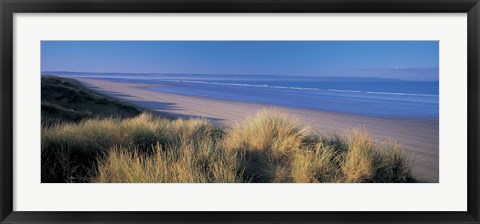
{"x": 65, "y": 100}
{"x": 87, "y": 137}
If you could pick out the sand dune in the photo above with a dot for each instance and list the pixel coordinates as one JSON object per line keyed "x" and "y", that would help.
{"x": 418, "y": 136}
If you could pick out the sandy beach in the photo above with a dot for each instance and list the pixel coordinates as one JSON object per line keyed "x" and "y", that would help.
{"x": 418, "y": 136}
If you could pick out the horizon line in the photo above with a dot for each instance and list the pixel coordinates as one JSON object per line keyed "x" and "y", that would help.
{"x": 287, "y": 75}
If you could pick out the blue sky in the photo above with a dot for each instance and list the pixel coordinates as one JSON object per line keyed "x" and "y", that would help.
{"x": 408, "y": 60}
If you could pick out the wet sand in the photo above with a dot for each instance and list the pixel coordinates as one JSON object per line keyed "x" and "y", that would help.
{"x": 419, "y": 136}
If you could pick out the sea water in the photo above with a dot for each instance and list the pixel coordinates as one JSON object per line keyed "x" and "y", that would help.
{"x": 360, "y": 96}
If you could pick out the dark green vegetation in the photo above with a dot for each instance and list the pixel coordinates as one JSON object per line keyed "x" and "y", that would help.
{"x": 65, "y": 100}
{"x": 87, "y": 137}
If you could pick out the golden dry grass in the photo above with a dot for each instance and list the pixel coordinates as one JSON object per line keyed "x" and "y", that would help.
{"x": 267, "y": 130}
{"x": 315, "y": 166}
{"x": 184, "y": 164}
{"x": 367, "y": 161}
{"x": 268, "y": 147}
{"x": 81, "y": 145}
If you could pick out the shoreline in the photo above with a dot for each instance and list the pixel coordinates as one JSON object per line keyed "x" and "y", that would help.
{"x": 418, "y": 136}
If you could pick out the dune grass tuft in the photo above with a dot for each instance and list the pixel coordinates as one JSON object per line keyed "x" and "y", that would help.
{"x": 268, "y": 130}
{"x": 366, "y": 161}
{"x": 267, "y": 140}
{"x": 186, "y": 163}
{"x": 315, "y": 166}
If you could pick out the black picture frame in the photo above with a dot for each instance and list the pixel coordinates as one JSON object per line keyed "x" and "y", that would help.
{"x": 9, "y": 7}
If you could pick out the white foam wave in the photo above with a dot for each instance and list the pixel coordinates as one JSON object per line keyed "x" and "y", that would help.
{"x": 400, "y": 94}
{"x": 261, "y": 85}
{"x": 304, "y": 88}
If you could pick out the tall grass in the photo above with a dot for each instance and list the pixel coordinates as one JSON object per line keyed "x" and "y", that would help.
{"x": 315, "y": 166}
{"x": 366, "y": 161}
{"x": 269, "y": 147}
{"x": 267, "y": 142}
{"x": 186, "y": 163}
{"x": 83, "y": 144}
{"x": 269, "y": 130}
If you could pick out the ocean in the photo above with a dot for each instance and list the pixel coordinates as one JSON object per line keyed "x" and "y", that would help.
{"x": 360, "y": 96}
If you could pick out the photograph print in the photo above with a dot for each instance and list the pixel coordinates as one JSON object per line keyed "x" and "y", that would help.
{"x": 240, "y": 111}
